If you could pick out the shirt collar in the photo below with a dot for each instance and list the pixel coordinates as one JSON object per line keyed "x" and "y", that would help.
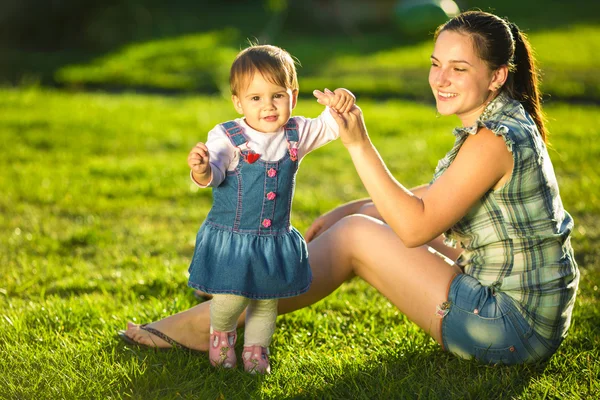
{"x": 488, "y": 112}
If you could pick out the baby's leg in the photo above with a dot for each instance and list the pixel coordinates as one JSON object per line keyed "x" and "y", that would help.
{"x": 260, "y": 322}
{"x": 224, "y": 312}
{"x": 260, "y": 326}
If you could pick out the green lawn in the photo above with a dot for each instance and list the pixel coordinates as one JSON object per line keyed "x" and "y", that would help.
{"x": 97, "y": 223}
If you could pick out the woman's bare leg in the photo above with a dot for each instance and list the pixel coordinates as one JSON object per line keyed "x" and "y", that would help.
{"x": 415, "y": 280}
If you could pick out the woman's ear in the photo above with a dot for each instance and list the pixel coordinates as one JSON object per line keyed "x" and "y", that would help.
{"x": 499, "y": 78}
{"x": 237, "y": 104}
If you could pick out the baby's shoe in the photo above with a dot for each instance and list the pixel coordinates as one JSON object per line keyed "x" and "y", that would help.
{"x": 256, "y": 359}
{"x": 222, "y": 348}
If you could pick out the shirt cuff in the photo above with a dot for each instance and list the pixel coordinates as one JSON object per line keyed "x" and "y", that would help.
{"x": 198, "y": 184}
{"x": 330, "y": 121}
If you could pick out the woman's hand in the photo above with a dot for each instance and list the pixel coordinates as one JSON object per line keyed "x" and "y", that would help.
{"x": 353, "y": 131}
{"x": 348, "y": 116}
{"x": 327, "y": 220}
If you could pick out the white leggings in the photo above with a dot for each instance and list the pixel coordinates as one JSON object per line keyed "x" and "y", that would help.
{"x": 225, "y": 310}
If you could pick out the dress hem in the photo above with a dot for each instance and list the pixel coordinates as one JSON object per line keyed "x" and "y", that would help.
{"x": 251, "y": 295}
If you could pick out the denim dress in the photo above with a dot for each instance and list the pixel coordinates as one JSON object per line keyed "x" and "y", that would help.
{"x": 247, "y": 246}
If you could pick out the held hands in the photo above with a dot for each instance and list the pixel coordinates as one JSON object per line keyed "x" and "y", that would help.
{"x": 198, "y": 161}
{"x": 341, "y": 100}
{"x": 347, "y": 114}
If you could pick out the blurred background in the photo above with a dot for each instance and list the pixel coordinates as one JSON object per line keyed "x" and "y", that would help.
{"x": 377, "y": 48}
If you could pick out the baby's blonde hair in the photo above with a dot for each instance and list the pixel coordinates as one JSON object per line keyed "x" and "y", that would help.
{"x": 275, "y": 64}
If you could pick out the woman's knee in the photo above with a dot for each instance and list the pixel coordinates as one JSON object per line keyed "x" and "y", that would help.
{"x": 356, "y": 233}
{"x": 354, "y": 227}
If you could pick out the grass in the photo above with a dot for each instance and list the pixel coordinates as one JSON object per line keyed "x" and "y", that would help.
{"x": 97, "y": 222}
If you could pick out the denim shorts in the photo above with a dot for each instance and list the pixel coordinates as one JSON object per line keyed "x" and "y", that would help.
{"x": 485, "y": 324}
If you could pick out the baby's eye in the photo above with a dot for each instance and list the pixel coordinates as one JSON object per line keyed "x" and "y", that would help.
{"x": 278, "y": 96}
{"x": 254, "y": 98}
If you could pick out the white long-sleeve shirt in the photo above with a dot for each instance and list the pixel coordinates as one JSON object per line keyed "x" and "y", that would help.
{"x": 224, "y": 156}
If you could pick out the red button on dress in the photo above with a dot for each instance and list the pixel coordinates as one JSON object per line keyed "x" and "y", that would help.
{"x": 266, "y": 223}
{"x": 271, "y": 195}
{"x": 272, "y": 172}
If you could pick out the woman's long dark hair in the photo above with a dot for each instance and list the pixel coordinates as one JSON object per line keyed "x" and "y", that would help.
{"x": 499, "y": 42}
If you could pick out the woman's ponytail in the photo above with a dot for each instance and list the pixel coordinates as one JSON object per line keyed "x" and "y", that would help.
{"x": 523, "y": 82}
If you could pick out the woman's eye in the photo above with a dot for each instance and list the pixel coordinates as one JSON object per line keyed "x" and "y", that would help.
{"x": 459, "y": 69}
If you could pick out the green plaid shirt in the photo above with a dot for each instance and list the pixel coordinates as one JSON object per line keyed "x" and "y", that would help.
{"x": 517, "y": 239}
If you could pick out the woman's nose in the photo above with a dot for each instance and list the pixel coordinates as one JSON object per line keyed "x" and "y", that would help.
{"x": 441, "y": 78}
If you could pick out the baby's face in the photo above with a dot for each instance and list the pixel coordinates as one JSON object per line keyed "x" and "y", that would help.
{"x": 265, "y": 105}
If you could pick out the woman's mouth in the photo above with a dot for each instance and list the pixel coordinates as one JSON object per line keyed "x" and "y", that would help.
{"x": 446, "y": 95}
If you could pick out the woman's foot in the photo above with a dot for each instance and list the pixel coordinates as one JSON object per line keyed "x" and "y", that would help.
{"x": 189, "y": 328}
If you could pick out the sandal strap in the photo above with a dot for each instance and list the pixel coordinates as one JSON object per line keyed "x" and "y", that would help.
{"x": 164, "y": 337}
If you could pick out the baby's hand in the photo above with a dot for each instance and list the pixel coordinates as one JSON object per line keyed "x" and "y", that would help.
{"x": 198, "y": 160}
{"x": 341, "y": 100}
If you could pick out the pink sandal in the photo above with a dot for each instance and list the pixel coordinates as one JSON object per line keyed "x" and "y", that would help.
{"x": 256, "y": 359}
{"x": 221, "y": 350}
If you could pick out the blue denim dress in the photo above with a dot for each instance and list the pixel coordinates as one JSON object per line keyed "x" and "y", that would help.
{"x": 247, "y": 246}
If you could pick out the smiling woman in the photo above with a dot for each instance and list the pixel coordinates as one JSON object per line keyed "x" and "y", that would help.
{"x": 462, "y": 83}
{"x": 480, "y": 258}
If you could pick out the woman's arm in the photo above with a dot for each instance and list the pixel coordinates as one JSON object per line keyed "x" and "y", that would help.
{"x": 363, "y": 206}
{"x": 419, "y": 217}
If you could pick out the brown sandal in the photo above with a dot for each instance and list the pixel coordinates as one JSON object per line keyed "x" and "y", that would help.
{"x": 174, "y": 344}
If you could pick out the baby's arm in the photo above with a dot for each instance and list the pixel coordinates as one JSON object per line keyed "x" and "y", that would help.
{"x": 341, "y": 100}
{"x": 210, "y": 160}
{"x": 198, "y": 161}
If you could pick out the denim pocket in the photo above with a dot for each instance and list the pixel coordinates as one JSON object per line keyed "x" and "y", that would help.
{"x": 507, "y": 355}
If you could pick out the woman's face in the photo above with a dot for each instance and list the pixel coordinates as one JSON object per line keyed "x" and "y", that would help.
{"x": 461, "y": 82}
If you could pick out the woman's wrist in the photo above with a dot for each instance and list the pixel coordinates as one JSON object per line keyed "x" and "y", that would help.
{"x": 359, "y": 148}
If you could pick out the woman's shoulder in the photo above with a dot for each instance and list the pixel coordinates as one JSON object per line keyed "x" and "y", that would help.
{"x": 514, "y": 124}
